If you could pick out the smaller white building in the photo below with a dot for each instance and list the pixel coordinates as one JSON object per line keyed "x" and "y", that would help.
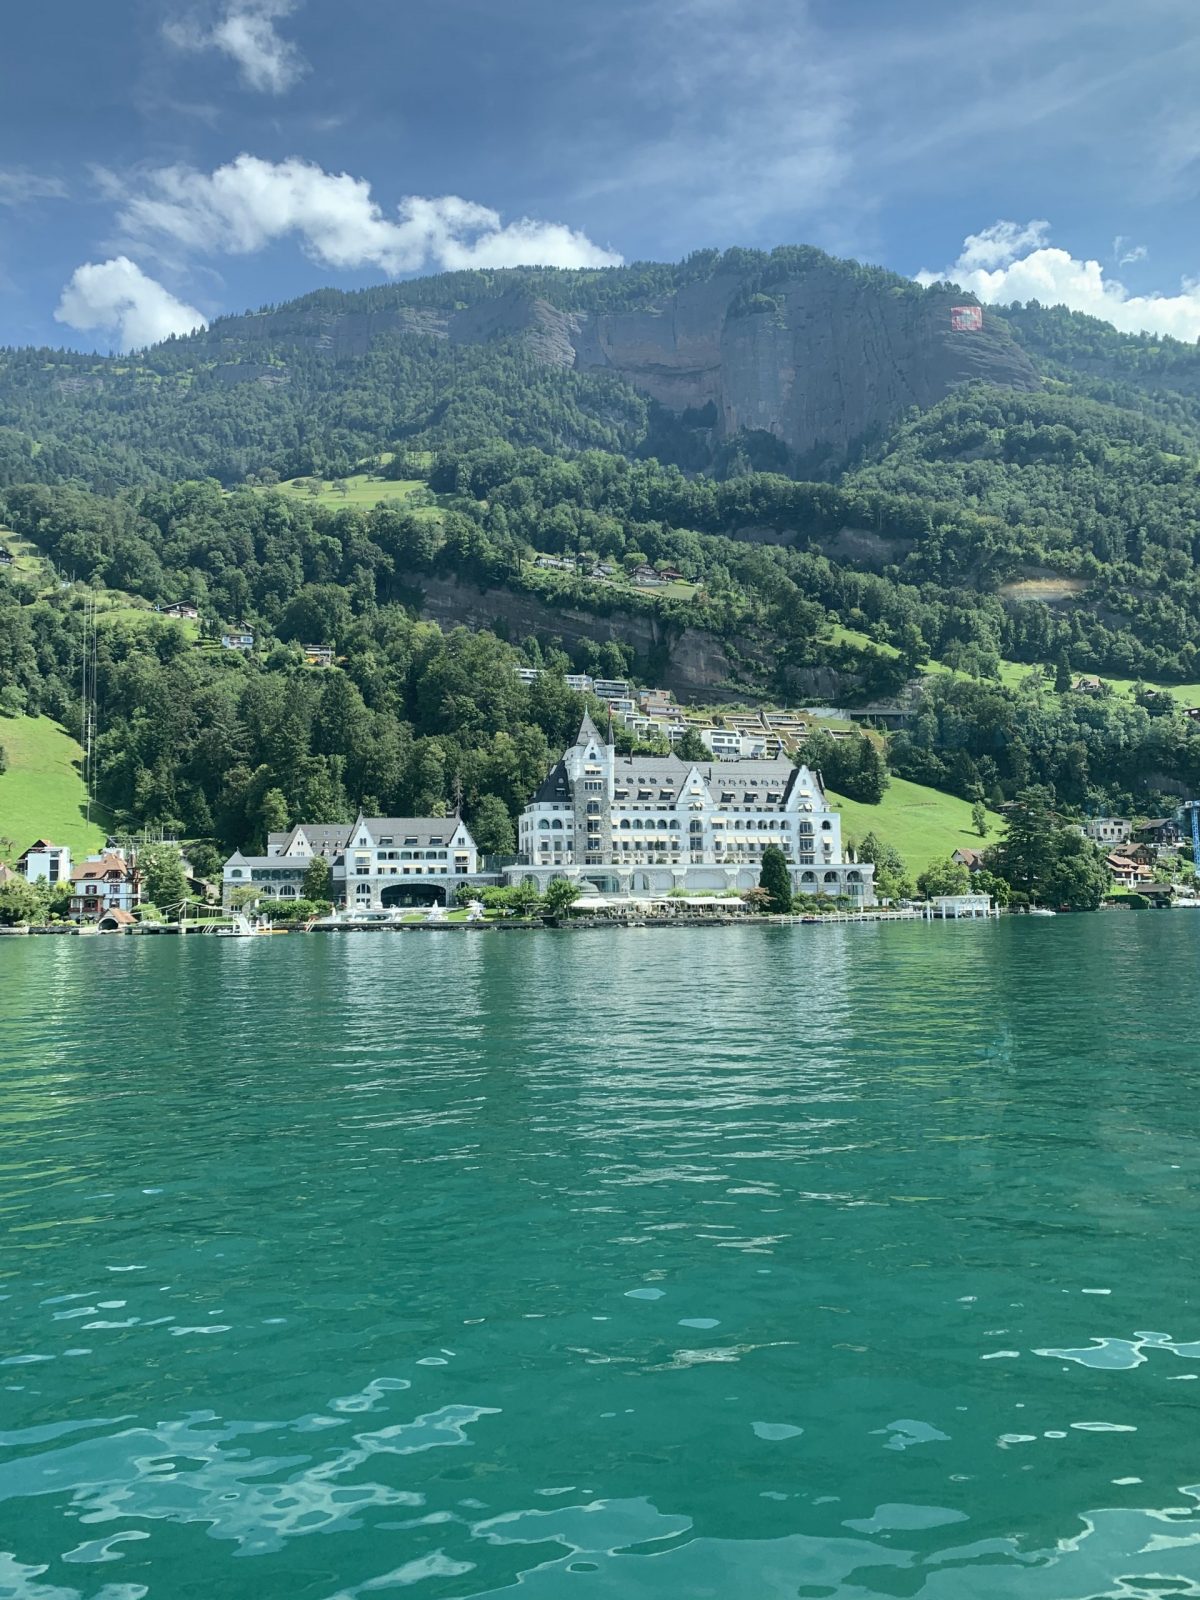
{"x": 392, "y": 861}
{"x": 950, "y": 907}
{"x": 46, "y": 862}
{"x": 1107, "y": 830}
{"x": 729, "y": 744}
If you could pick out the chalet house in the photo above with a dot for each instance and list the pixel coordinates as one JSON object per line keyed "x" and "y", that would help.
{"x": 1129, "y": 874}
{"x": 104, "y": 883}
{"x": 1160, "y": 830}
{"x": 318, "y": 655}
{"x": 45, "y": 862}
{"x": 971, "y": 859}
{"x": 1088, "y": 685}
{"x": 179, "y": 610}
{"x": 238, "y": 639}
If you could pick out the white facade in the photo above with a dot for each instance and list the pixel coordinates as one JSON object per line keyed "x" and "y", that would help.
{"x": 106, "y": 882}
{"x": 44, "y": 862}
{"x": 649, "y": 824}
{"x": 727, "y": 744}
{"x": 374, "y": 861}
{"x": 388, "y": 859}
{"x": 1107, "y": 830}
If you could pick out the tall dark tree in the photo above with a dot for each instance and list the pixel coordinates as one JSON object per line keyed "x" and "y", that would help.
{"x": 775, "y": 879}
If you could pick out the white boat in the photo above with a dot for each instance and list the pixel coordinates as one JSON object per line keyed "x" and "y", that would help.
{"x": 1042, "y": 911}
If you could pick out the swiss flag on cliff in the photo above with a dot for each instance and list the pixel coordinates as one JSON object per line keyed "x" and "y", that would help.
{"x": 966, "y": 319}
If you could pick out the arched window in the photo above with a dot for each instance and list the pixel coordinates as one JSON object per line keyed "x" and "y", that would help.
{"x": 831, "y": 877}
{"x": 543, "y": 823}
{"x": 826, "y": 826}
{"x": 237, "y": 873}
{"x": 557, "y": 823}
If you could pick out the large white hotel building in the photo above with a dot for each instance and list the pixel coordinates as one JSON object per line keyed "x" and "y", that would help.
{"x": 643, "y": 825}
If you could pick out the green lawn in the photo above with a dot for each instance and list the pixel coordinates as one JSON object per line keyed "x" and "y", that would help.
{"x": 361, "y": 490}
{"x": 924, "y": 825}
{"x": 41, "y": 794}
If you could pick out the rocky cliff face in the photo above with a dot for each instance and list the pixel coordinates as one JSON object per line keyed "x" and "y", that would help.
{"x": 819, "y": 361}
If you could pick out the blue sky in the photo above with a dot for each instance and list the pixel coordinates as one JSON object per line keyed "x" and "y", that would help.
{"x": 164, "y": 161}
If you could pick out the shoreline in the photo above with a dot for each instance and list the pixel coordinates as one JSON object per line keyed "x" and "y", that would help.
{"x": 554, "y": 925}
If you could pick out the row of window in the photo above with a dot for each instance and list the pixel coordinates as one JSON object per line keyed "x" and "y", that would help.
{"x": 653, "y": 824}
{"x": 407, "y": 855}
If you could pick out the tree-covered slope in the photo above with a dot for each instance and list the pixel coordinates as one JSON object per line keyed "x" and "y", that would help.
{"x": 789, "y": 360}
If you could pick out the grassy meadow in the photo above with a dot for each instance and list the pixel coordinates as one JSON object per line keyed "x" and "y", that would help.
{"x": 41, "y": 793}
{"x": 924, "y": 825}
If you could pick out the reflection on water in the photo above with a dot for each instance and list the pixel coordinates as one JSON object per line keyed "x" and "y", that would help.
{"x": 759, "y": 1263}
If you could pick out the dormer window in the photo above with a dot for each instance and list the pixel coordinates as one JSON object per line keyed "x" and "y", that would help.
{"x": 726, "y": 799}
{"x": 411, "y": 839}
{"x": 385, "y": 841}
{"x": 774, "y": 796}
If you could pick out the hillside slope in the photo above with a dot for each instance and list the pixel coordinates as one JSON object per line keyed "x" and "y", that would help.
{"x": 41, "y": 793}
{"x": 802, "y": 354}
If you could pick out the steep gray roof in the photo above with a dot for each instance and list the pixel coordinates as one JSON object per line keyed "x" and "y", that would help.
{"x": 554, "y": 786}
{"x": 325, "y": 838}
{"x": 588, "y": 732}
{"x": 422, "y": 829}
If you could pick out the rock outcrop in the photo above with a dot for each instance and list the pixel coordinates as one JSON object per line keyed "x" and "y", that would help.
{"x": 820, "y": 363}
{"x": 820, "y": 360}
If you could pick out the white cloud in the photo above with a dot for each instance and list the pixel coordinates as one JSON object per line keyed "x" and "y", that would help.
{"x": 1125, "y": 253}
{"x": 249, "y": 203}
{"x": 992, "y": 266}
{"x": 118, "y": 297}
{"x": 1001, "y": 243}
{"x": 18, "y": 185}
{"x": 246, "y": 32}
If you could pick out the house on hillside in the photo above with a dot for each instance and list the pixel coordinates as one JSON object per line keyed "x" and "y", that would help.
{"x": 1159, "y": 830}
{"x": 1128, "y": 874}
{"x": 241, "y": 638}
{"x": 1107, "y": 830}
{"x": 969, "y": 858}
{"x": 1090, "y": 685}
{"x": 180, "y": 610}
{"x": 45, "y": 862}
{"x": 318, "y": 655}
{"x": 107, "y": 882}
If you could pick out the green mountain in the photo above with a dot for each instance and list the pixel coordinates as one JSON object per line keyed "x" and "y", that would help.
{"x": 853, "y": 481}
{"x": 799, "y": 355}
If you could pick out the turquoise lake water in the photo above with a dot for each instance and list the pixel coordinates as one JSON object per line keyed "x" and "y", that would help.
{"x": 741, "y": 1263}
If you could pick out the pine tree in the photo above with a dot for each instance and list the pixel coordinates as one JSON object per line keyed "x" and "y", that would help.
{"x": 775, "y": 879}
